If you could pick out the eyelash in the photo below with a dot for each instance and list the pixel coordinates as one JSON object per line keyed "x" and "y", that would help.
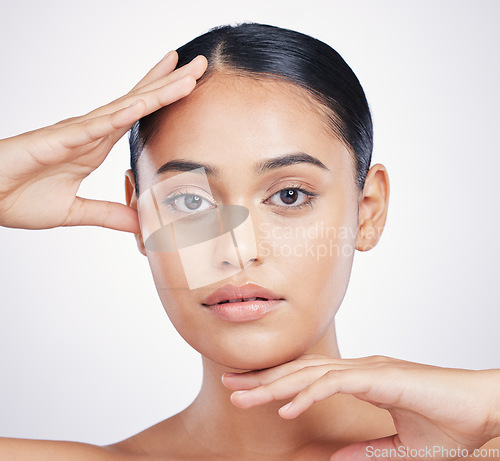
{"x": 311, "y": 197}
{"x": 180, "y": 193}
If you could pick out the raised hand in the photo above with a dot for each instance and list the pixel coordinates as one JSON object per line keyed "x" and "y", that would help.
{"x": 41, "y": 171}
{"x": 431, "y": 406}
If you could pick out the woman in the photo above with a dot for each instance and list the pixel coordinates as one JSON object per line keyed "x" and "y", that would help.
{"x": 249, "y": 192}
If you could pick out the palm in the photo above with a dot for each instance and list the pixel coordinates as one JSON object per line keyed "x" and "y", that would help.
{"x": 415, "y": 431}
{"x": 41, "y": 171}
{"x": 42, "y": 183}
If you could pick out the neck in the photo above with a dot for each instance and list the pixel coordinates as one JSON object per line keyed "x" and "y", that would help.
{"x": 260, "y": 430}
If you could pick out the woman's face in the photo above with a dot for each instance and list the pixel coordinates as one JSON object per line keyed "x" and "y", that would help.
{"x": 303, "y": 209}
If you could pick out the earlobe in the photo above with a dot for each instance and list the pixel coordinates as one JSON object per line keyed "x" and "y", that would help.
{"x": 373, "y": 207}
{"x": 131, "y": 201}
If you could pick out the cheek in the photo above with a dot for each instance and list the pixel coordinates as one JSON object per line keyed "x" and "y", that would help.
{"x": 170, "y": 282}
{"x": 315, "y": 260}
{"x": 176, "y": 297}
{"x": 332, "y": 267}
{"x": 168, "y": 273}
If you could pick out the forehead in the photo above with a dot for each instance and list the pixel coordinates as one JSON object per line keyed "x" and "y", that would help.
{"x": 233, "y": 120}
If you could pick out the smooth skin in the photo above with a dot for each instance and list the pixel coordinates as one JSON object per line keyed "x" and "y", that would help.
{"x": 338, "y": 404}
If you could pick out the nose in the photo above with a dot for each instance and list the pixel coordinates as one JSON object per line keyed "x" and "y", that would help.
{"x": 234, "y": 254}
{"x": 240, "y": 250}
{"x": 215, "y": 245}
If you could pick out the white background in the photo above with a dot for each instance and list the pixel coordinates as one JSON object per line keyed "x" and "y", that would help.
{"x": 86, "y": 350}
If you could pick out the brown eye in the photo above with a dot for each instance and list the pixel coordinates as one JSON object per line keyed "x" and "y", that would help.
{"x": 288, "y": 197}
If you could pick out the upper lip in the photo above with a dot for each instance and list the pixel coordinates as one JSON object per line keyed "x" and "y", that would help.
{"x": 229, "y": 292}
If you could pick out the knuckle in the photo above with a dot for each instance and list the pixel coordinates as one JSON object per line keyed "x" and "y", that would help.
{"x": 131, "y": 94}
{"x": 85, "y": 122}
{"x": 333, "y": 374}
{"x": 378, "y": 359}
{"x": 107, "y": 213}
{"x": 267, "y": 389}
{"x": 65, "y": 122}
{"x": 390, "y": 372}
{"x": 271, "y": 392}
{"x": 309, "y": 395}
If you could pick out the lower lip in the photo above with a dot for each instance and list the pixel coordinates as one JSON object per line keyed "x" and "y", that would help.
{"x": 243, "y": 311}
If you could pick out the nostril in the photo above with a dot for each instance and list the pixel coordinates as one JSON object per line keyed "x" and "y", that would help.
{"x": 250, "y": 262}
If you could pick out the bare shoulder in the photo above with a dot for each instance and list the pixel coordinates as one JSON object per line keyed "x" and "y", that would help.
{"x": 164, "y": 440}
{"x": 40, "y": 450}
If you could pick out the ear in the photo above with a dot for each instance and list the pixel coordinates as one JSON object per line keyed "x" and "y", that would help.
{"x": 131, "y": 199}
{"x": 373, "y": 207}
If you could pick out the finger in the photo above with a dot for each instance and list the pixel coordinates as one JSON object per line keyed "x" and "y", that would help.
{"x": 326, "y": 386}
{"x": 194, "y": 68}
{"x": 376, "y": 386}
{"x": 164, "y": 67}
{"x": 86, "y": 131}
{"x": 161, "y": 97}
{"x": 119, "y": 122}
{"x": 283, "y": 388}
{"x": 252, "y": 379}
{"x": 88, "y": 212}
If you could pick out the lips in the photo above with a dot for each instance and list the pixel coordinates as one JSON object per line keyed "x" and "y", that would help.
{"x": 246, "y": 293}
{"x": 246, "y": 303}
{"x": 241, "y": 300}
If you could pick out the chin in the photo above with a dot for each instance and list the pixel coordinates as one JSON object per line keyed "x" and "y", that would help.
{"x": 253, "y": 356}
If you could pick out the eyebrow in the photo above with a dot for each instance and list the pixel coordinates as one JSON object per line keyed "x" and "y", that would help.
{"x": 289, "y": 159}
{"x": 186, "y": 165}
{"x": 260, "y": 168}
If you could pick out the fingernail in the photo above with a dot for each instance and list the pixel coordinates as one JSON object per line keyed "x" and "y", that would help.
{"x": 285, "y": 407}
{"x": 230, "y": 374}
{"x": 240, "y": 392}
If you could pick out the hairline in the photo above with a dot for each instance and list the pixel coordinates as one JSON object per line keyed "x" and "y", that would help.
{"x": 332, "y": 122}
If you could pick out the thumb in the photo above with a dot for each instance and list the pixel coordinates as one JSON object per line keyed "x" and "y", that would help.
{"x": 387, "y": 448}
{"x": 88, "y": 212}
